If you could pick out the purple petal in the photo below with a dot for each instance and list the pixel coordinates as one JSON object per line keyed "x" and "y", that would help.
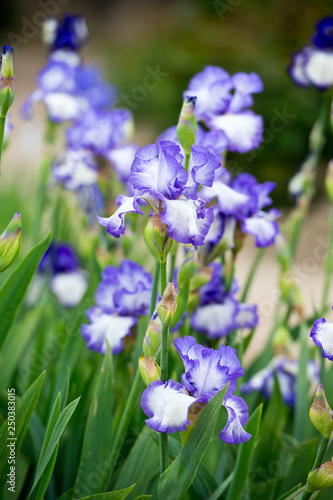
{"x": 122, "y": 159}
{"x": 230, "y": 202}
{"x": 247, "y": 316}
{"x": 216, "y": 320}
{"x": 233, "y": 432}
{"x": 188, "y": 220}
{"x": 247, "y": 83}
{"x": 203, "y": 165}
{"x": 243, "y": 130}
{"x": 263, "y": 227}
{"x": 296, "y": 68}
{"x": 166, "y": 405}
{"x": 322, "y": 336}
{"x": 115, "y": 223}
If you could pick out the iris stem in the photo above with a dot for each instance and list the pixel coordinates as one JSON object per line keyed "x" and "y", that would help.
{"x": 163, "y": 438}
{"x": 328, "y": 265}
{"x": 2, "y": 133}
{"x": 255, "y": 264}
{"x": 317, "y": 463}
{"x": 154, "y": 288}
{"x": 187, "y": 161}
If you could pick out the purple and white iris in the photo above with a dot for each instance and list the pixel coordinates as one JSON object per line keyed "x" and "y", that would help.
{"x": 244, "y": 200}
{"x": 313, "y": 65}
{"x": 207, "y": 371}
{"x": 322, "y": 336}
{"x": 223, "y": 102}
{"x": 67, "y": 281}
{"x": 219, "y": 312}
{"x": 122, "y": 295}
{"x": 285, "y": 370}
{"x": 159, "y": 178}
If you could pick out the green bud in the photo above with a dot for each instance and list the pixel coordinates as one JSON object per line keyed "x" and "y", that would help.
{"x": 187, "y": 127}
{"x": 157, "y": 238}
{"x": 186, "y": 271}
{"x": 152, "y": 340}
{"x": 6, "y": 80}
{"x": 168, "y": 305}
{"x": 329, "y": 182}
{"x": 321, "y": 478}
{"x": 321, "y": 414}
{"x": 10, "y": 243}
{"x": 149, "y": 369}
{"x": 281, "y": 338}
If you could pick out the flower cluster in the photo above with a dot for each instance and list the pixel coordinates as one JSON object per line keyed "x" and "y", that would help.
{"x": 313, "y": 65}
{"x": 122, "y": 295}
{"x": 67, "y": 281}
{"x": 75, "y": 92}
{"x": 285, "y": 370}
{"x": 207, "y": 371}
{"x": 223, "y": 102}
{"x": 219, "y": 312}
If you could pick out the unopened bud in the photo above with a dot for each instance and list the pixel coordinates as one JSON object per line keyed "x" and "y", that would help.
{"x": 149, "y": 369}
{"x": 321, "y": 478}
{"x": 157, "y": 238}
{"x": 187, "y": 127}
{"x": 168, "y": 305}
{"x": 201, "y": 277}
{"x": 281, "y": 338}
{"x": 321, "y": 414}
{"x": 152, "y": 339}
{"x": 6, "y": 80}
{"x": 186, "y": 271}
{"x": 329, "y": 181}
{"x": 10, "y": 243}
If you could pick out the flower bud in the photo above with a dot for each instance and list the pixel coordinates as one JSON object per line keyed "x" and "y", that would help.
{"x": 10, "y": 242}
{"x": 321, "y": 478}
{"x": 157, "y": 238}
{"x": 187, "y": 127}
{"x": 329, "y": 182}
{"x": 168, "y": 305}
{"x": 186, "y": 271}
{"x": 152, "y": 340}
{"x": 321, "y": 414}
{"x": 6, "y": 80}
{"x": 281, "y": 338}
{"x": 201, "y": 277}
{"x": 149, "y": 369}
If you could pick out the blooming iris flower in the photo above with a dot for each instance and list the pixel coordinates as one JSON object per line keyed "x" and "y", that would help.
{"x": 68, "y": 282}
{"x": 244, "y": 199}
{"x": 219, "y": 311}
{"x": 207, "y": 371}
{"x": 313, "y": 65}
{"x": 322, "y": 336}
{"x": 123, "y": 294}
{"x": 285, "y": 370}
{"x": 159, "y": 178}
{"x": 222, "y": 102}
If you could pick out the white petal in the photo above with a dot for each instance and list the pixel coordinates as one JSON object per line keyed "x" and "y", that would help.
{"x": 319, "y": 68}
{"x": 69, "y": 288}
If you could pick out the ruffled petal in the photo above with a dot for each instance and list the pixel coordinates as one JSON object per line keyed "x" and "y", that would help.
{"x": 296, "y": 68}
{"x": 188, "y": 220}
{"x": 263, "y": 227}
{"x": 203, "y": 165}
{"x": 322, "y": 336}
{"x": 62, "y": 107}
{"x": 105, "y": 328}
{"x": 216, "y": 320}
{"x": 230, "y": 202}
{"x": 207, "y": 370}
{"x": 247, "y": 83}
{"x": 233, "y": 432}
{"x": 115, "y": 224}
{"x": 78, "y": 169}
{"x": 243, "y": 130}
{"x": 166, "y": 405}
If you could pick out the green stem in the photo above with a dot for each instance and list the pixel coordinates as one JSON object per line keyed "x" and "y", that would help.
{"x": 328, "y": 265}
{"x": 2, "y": 132}
{"x": 317, "y": 463}
{"x": 154, "y": 288}
{"x": 123, "y": 425}
{"x": 163, "y": 438}
{"x": 253, "y": 269}
{"x": 187, "y": 161}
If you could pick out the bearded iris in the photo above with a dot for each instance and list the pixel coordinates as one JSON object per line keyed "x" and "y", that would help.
{"x": 207, "y": 371}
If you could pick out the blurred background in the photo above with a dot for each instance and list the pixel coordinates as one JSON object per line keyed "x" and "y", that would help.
{"x": 175, "y": 40}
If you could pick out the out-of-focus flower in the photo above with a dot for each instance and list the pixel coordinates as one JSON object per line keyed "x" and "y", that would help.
{"x": 223, "y": 102}
{"x": 285, "y": 370}
{"x": 159, "y": 178}
{"x": 67, "y": 281}
{"x": 207, "y": 371}
{"x": 322, "y": 336}
{"x": 123, "y": 294}
{"x": 219, "y": 312}
{"x": 313, "y": 65}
